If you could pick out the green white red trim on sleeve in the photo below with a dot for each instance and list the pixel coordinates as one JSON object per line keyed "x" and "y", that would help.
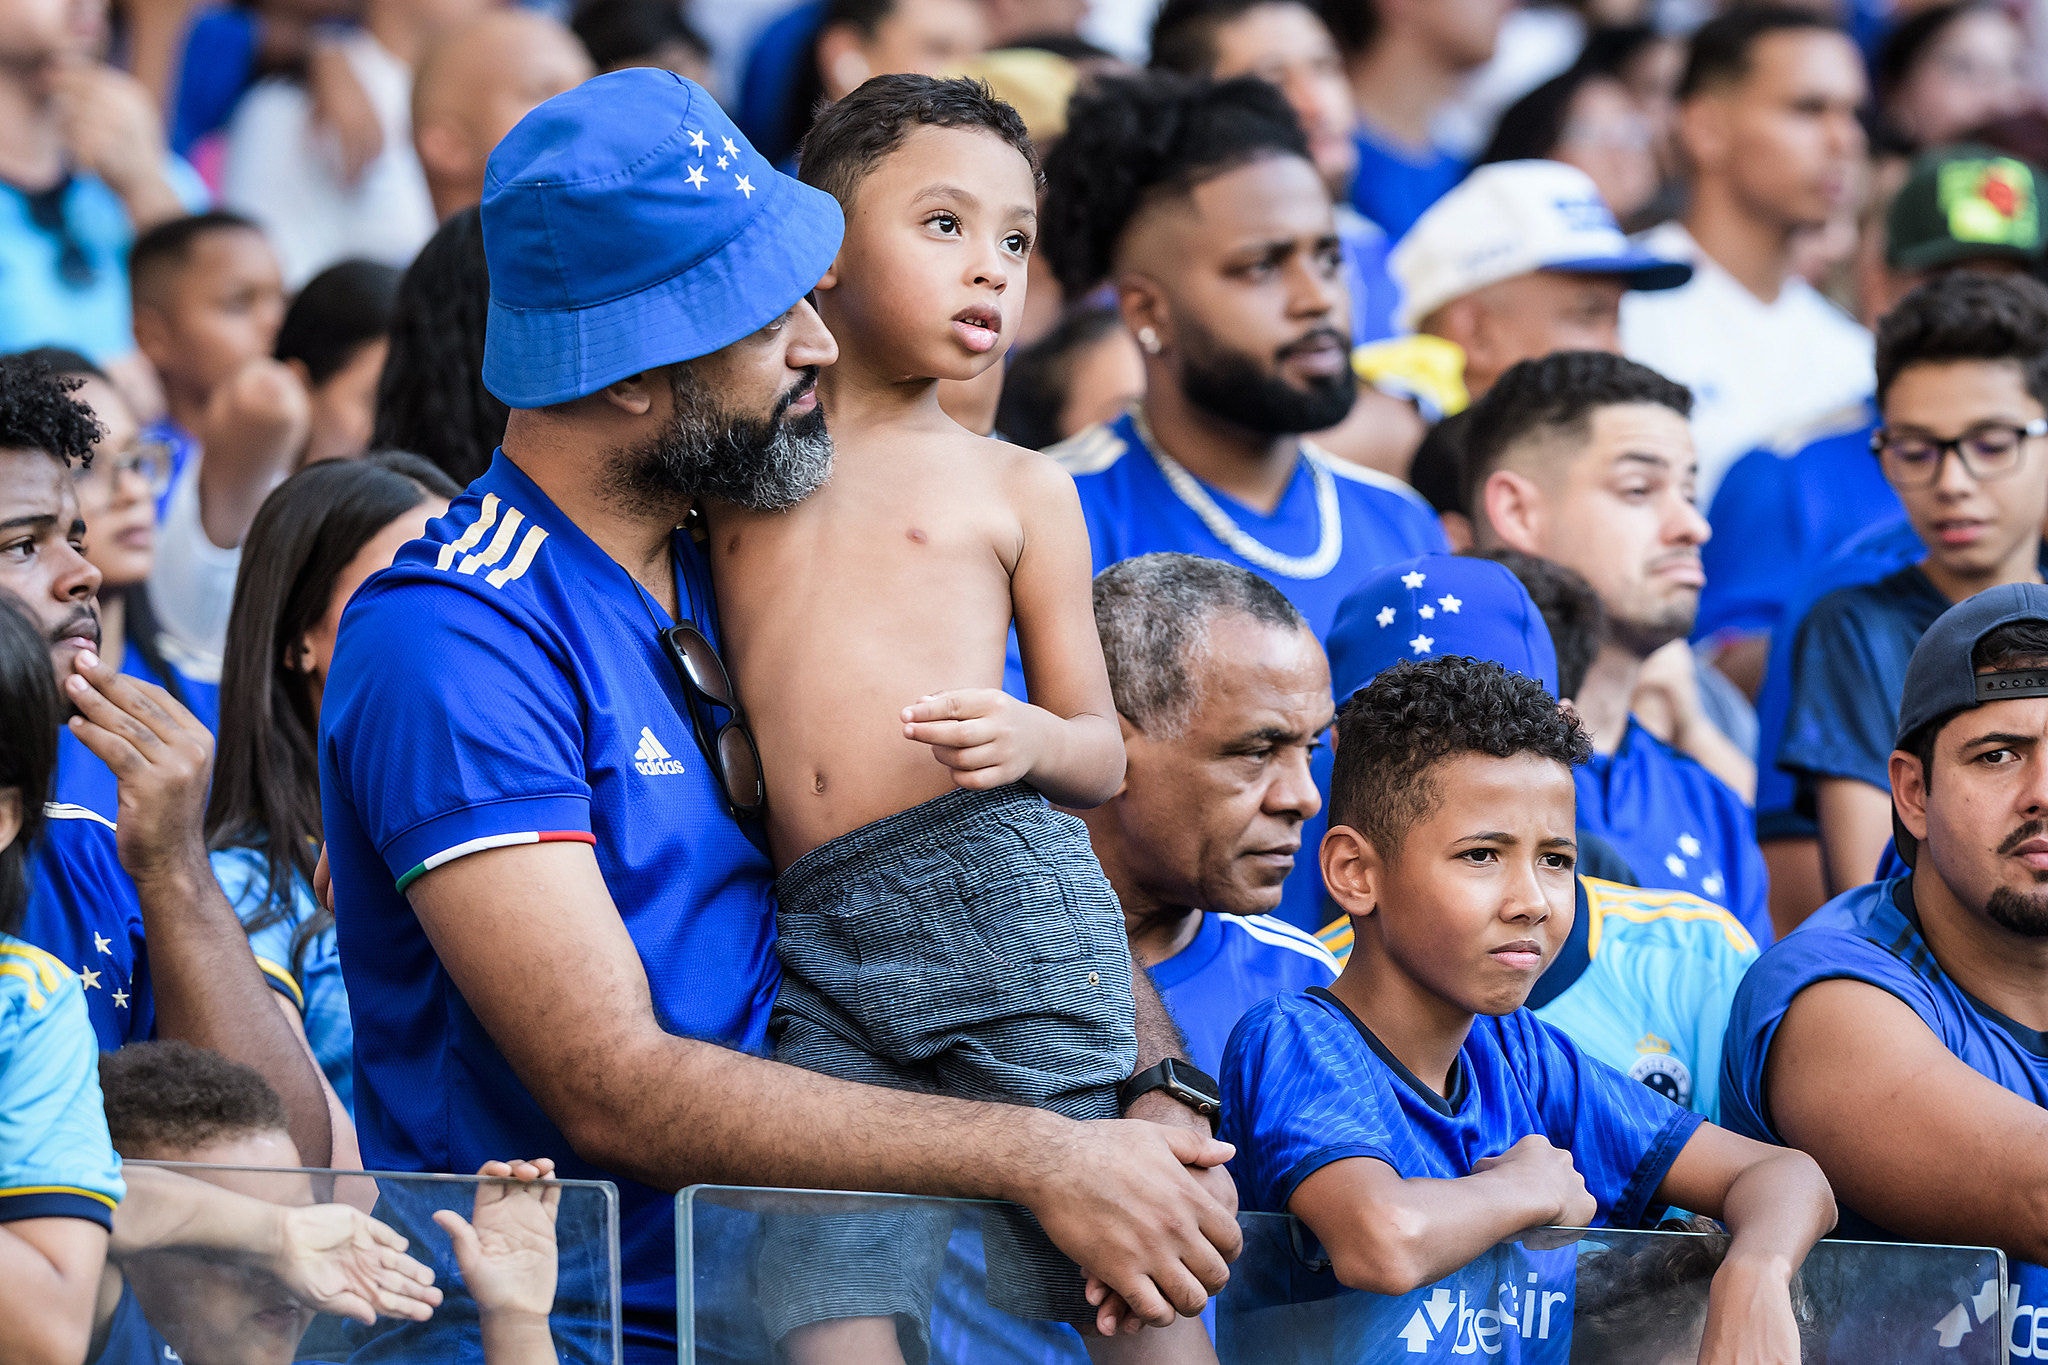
{"x": 469, "y": 846}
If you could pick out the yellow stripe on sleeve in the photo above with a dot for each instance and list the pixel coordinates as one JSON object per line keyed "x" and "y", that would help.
{"x": 284, "y": 979}
{"x": 94, "y": 1195}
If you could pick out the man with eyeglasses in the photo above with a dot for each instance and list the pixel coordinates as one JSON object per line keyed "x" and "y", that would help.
{"x": 553, "y": 913}
{"x": 1962, "y": 391}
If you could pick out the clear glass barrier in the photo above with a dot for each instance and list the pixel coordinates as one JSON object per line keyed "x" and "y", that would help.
{"x": 1559, "y": 1296}
{"x": 230, "y": 1265}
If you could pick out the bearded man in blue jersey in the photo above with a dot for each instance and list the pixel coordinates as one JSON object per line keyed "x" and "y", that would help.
{"x": 1925, "y": 998}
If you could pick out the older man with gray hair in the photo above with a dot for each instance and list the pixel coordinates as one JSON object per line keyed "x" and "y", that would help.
{"x": 1223, "y": 693}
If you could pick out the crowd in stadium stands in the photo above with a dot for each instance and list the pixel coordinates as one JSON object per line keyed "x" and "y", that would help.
{"x": 546, "y": 629}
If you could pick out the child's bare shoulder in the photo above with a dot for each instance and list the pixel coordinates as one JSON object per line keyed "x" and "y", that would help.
{"x": 1031, "y": 477}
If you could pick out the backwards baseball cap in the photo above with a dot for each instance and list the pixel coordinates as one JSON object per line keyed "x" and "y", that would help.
{"x": 1942, "y": 680}
{"x": 1435, "y": 605}
{"x": 628, "y": 225}
{"x": 1964, "y": 203}
{"x": 1514, "y": 218}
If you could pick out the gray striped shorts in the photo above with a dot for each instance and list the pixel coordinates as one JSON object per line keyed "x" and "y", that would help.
{"x": 969, "y": 946}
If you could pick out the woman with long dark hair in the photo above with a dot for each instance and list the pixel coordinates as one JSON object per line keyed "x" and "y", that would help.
{"x": 317, "y": 538}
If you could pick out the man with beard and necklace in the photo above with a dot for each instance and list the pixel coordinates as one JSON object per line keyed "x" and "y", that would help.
{"x": 1201, "y": 204}
{"x": 1586, "y": 459}
{"x": 1925, "y": 998}
{"x": 539, "y": 801}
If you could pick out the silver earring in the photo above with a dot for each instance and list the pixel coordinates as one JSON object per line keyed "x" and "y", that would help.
{"x": 1148, "y": 340}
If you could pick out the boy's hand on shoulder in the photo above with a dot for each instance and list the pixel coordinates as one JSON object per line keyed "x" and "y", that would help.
{"x": 1541, "y": 1167}
{"x": 986, "y": 736}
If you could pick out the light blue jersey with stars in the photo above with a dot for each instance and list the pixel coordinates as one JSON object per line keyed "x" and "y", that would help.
{"x": 83, "y": 910}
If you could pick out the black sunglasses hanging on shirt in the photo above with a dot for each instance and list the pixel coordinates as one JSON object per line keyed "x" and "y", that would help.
{"x": 730, "y": 747}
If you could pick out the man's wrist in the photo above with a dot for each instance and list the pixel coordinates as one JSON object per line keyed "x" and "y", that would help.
{"x": 1157, "y": 1106}
{"x": 181, "y": 875}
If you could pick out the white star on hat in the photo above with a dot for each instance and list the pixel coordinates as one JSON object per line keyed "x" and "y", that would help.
{"x": 1713, "y": 885}
{"x": 723, "y": 163}
{"x": 744, "y": 186}
{"x": 1426, "y": 613}
{"x": 1414, "y": 578}
{"x": 1422, "y": 644}
{"x": 1386, "y": 617}
{"x": 1675, "y": 864}
{"x": 1689, "y": 846}
{"x": 696, "y": 177}
{"x": 730, "y": 150}
{"x": 1449, "y": 604}
{"x": 698, "y": 142}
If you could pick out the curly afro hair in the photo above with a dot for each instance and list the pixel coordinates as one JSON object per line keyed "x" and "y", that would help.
{"x": 1420, "y": 713}
{"x": 1132, "y": 140}
{"x": 37, "y": 411}
{"x": 168, "y": 1097}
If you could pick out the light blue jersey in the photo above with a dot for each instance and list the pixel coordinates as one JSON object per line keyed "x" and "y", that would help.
{"x": 56, "y": 1160}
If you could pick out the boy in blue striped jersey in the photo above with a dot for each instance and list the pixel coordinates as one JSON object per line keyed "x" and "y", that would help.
{"x": 1414, "y": 1115}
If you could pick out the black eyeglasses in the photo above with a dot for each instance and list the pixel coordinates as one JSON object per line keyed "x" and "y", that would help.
{"x": 730, "y": 746}
{"x": 46, "y": 211}
{"x": 1990, "y": 450}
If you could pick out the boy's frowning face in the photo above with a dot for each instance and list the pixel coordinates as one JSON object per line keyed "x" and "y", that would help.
{"x": 930, "y": 279}
{"x": 1477, "y": 897}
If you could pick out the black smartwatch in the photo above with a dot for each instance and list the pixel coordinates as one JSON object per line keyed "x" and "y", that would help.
{"x": 1183, "y": 1081}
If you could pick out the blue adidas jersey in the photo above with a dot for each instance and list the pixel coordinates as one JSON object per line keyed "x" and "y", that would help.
{"x": 1358, "y": 519}
{"x": 1306, "y": 1084}
{"x": 56, "y": 1160}
{"x": 83, "y": 910}
{"x": 501, "y": 684}
{"x": 1235, "y": 962}
{"x": 1872, "y": 934}
{"x": 1677, "y": 825}
{"x": 1643, "y": 983}
{"x": 84, "y": 780}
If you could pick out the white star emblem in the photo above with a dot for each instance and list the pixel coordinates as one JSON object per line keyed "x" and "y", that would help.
{"x": 121, "y": 1000}
{"x": 1413, "y": 579}
{"x": 1713, "y": 885}
{"x": 1675, "y": 863}
{"x": 723, "y": 163}
{"x": 730, "y": 150}
{"x": 91, "y": 979}
{"x": 698, "y": 142}
{"x": 1422, "y": 644}
{"x": 103, "y": 944}
{"x": 1449, "y": 604}
{"x": 696, "y": 177}
{"x": 1426, "y": 613}
{"x": 744, "y": 186}
{"x": 1386, "y": 617}
{"x": 1689, "y": 846}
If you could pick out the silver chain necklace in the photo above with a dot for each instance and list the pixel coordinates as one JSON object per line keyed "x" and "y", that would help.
{"x": 1196, "y": 499}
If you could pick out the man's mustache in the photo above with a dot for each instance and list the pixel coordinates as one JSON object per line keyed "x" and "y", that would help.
{"x": 2033, "y": 829}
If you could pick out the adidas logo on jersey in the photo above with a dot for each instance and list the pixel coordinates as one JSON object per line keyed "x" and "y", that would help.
{"x": 652, "y": 759}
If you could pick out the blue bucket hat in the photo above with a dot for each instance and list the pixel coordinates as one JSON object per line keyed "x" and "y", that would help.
{"x": 1435, "y": 605}
{"x": 628, "y": 225}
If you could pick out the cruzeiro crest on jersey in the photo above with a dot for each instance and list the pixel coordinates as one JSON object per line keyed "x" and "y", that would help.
{"x": 1662, "y": 1072}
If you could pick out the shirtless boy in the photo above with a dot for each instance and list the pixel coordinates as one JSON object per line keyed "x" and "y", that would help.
{"x": 941, "y": 926}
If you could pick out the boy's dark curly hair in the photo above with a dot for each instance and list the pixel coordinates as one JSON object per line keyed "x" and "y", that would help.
{"x": 1132, "y": 140}
{"x": 1421, "y": 712}
{"x": 853, "y": 136}
{"x": 37, "y": 412}
{"x": 1968, "y": 315}
{"x": 166, "y": 1098}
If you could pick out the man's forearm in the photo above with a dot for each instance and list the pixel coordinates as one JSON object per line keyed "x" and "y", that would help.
{"x": 1158, "y": 1036}
{"x": 210, "y": 993}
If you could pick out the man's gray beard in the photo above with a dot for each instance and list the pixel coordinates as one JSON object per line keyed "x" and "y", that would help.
{"x": 762, "y": 464}
{"x": 2026, "y": 916}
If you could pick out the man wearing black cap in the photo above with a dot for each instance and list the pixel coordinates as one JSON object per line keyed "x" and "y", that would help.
{"x": 1925, "y": 998}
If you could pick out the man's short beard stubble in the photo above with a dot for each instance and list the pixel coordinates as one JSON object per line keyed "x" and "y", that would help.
{"x": 2019, "y": 913}
{"x": 763, "y": 464}
{"x": 1227, "y": 383}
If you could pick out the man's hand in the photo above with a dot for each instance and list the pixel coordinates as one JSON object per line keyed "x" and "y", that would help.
{"x": 342, "y": 107}
{"x": 161, "y": 755}
{"x": 987, "y": 737}
{"x": 507, "y": 1253}
{"x": 1542, "y": 1167}
{"x": 111, "y": 128}
{"x": 1113, "y": 1315}
{"x": 340, "y": 1260}
{"x": 262, "y": 405}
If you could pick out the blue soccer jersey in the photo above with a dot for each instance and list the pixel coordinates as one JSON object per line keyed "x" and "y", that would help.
{"x": 1872, "y": 934}
{"x": 1234, "y": 963}
{"x": 56, "y": 1160}
{"x": 1335, "y": 523}
{"x": 83, "y": 910}
{"x": 1306, "y": 1084}
{"x": 503, "y": 684}
{"x": 1677, "y": 825}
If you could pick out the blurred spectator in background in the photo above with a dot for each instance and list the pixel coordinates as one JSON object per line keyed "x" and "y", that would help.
{"x": 1587, "y": 119}
{"x": 59, "y": 1178}
{"x": 476, "y": 80}
{"x": 1769, "y": 133}
{"x": 208, "y": 304}
{"x": 1948, "y": 69}
{"x": 1407, "y": 60}
{"x": 323, "y": 532}
{"x": 334, "y": 338}
{"x": 1286, "y": 42}
{"x": 1521, "y": 260}
{"x": 83, "y": 169}
{"x": 117, "y": 497}
{"x": 283, "y": 170}
{"x": 623, "y": 33}
{"x": 1086, "y": 370}
{"x": 431, "y": 398}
